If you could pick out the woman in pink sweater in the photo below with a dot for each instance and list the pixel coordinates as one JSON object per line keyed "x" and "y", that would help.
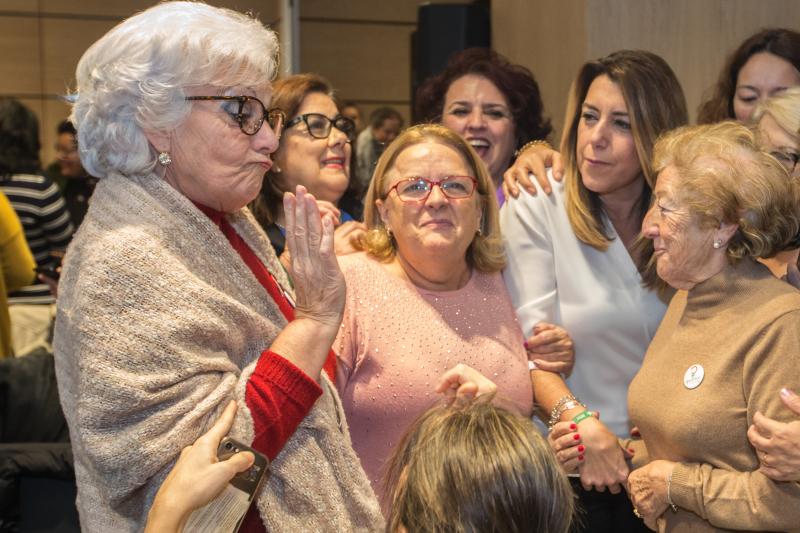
{"x": 426, "y": 294}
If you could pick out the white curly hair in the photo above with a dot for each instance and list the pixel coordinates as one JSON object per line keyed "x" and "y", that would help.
{"x": 132, "y": 80}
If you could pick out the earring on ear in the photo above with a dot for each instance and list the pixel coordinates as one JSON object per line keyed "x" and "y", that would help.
{"x": 164, "y": 159}
{"x": 717, "y": 243}
{"x": 388, "y": 232}
{"x": 276, "y": 169}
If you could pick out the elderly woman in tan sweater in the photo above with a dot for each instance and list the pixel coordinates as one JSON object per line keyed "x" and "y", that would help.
{"x": 729, "y": 340}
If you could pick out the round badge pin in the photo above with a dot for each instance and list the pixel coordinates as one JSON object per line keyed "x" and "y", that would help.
{"x": 694, "y": 376}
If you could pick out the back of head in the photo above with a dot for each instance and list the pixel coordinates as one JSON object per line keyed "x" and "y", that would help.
{"x": 19, "y": 139}
{"x": 133, "y": 78}
{"x": 726, "y": 177}
{"x": 476, "y": 469}
{"x": 382, "y": 114}
{"x": 781, "y": 42}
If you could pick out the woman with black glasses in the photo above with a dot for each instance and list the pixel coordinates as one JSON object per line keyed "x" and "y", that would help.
{"x": 172, "y": 303}
{"x": 315, "y": 152}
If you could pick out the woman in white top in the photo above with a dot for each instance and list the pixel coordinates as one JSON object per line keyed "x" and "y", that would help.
{"x": 575, "y": 259}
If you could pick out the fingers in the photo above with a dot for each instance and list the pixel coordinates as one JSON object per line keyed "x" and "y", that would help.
{"x": 557, "y": 163}
{"x": 510, "y": 188}
{"x": 790, "y": 399}
{"x": 239, "y": 462}
{"x": 313, "y": 223}
{"x": 765, "y": 426}
{"x": 327, "y": 239}
{"x": 460, "y": 375}
{"x": 558, "y": 367}
{"x": 539, "y": 173}
{"x": 465, "y": 394}
{"x": 222, "y": 426}
{"x": 561, "y": 429}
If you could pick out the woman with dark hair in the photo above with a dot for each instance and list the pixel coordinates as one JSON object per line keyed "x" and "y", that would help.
{"x": 764, "y": 64}
{"x": 575, "y": 258}
{"x": 44, "y": 217}
{"x": 494, "y": 104}
{"x": 315, "y": 152}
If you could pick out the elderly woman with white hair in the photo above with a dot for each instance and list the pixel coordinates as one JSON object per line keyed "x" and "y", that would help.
{"x": 172, "y": 301}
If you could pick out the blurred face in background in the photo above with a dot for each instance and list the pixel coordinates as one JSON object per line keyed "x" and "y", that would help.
{"x": 67, "y": 156}
{"x": 763, "y": 75}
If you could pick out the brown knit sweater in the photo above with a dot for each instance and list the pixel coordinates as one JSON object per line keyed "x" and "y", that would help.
{"x": 743, "y": 327}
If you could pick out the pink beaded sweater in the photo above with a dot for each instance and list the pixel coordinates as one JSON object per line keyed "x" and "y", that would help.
{"x": 396, "y": 340}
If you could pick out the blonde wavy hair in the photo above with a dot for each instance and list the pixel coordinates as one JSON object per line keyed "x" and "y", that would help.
{"x": 784, "y": 108}
{"x": 486, "y": 252}
{"x": 478, "y": 468}
{"x": 726, "y": 177}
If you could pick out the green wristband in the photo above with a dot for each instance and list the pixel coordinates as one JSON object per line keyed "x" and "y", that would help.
{"x": 583, "y": 416}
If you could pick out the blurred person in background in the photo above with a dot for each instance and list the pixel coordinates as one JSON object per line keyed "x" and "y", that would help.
{"x": 16, "y": 267}
{"x": 384, "y": 125}
{"x": 45, "y": 220}
{"x": 68, "y": 173}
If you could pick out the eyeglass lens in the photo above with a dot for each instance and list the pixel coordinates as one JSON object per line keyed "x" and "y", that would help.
{"x": 454, "y": 187}
{"x": 319, "y": 126}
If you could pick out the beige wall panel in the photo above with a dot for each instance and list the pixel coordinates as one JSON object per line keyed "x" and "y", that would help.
{"x": 693, "y": 37}
{"x": 64, "y": 41}
{"x": 548, "y": 37}
{"x": 53, "y": 112}
{"x": 361, "y": 61}
{"x": 391, "y": 10}
{"x": 394, "y": 10}
{"x": 19, "y": 6}
{"x": 19, "y": 56}
{"x": 268, "y": 9}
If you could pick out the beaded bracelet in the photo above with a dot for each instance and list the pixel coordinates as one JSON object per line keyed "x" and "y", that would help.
{"x": 669, "y": 497}
{"x": 565, "y": 403}
{"x": 531, "y": 144}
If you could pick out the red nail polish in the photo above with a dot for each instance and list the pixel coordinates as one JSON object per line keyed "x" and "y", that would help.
{"x": 580, "y": 458}
{"x": 577, "y": 436}
{"x": 525, "y": 344}
{"x": 573, "y": 426}
{"x": 631, "y": 450}
{"x": 581, "y": 447}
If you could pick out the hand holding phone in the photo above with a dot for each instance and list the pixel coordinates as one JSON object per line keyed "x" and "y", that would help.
{"x": 206, "y": 472}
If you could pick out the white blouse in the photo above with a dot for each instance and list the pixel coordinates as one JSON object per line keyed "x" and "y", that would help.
{"x": 596, "y": 296}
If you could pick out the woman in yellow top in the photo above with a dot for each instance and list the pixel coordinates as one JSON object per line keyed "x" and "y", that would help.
{"x": 16, "y": 262}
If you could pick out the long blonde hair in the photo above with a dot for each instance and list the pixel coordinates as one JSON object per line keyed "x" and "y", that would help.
{"x": 655, "y": 103}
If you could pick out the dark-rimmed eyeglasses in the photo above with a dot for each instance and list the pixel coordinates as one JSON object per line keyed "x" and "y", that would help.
{"x": 788, "y": 159}
{"x": 417, "y": 189}
{"x": 249, "y": 112}
{"x": 319, "y": 126}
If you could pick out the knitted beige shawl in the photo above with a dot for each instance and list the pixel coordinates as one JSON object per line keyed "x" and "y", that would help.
{"x": 159, "y": 324}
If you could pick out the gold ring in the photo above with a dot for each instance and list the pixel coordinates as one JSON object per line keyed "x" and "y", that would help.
{"x": 764, "y": 459}
{"x": 636, "y": 512}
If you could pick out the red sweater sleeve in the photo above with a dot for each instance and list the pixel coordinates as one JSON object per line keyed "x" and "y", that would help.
{"x": 279, "y": 396}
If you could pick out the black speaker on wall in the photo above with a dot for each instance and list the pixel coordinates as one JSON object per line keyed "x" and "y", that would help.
{"x": 442, "y": 30}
